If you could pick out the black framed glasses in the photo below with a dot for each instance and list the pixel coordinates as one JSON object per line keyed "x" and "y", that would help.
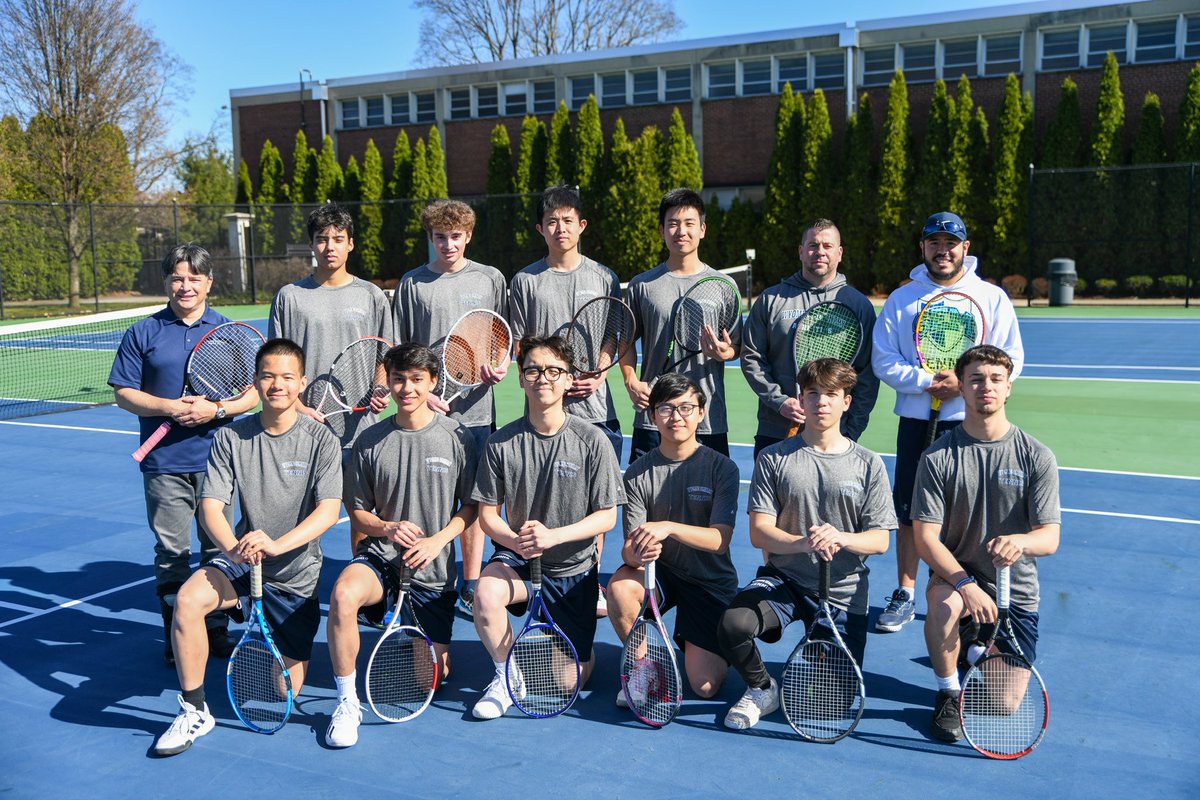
{"x": 666, "y": 411}
{"x": 534, "y": 374}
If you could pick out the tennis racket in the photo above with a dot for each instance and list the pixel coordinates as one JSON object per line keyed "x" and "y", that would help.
{"x": 713, "y": 301}
{"x": 221, "y": 367}
{"x": 355, "y": 376}
{"x": 827, "y": 330}
{"x": 950, "y": 324}
{"x": 649, "y": 672}
{"x": 1003, "y": 704}
{"x": 823, "y": 694}
{"x": 543, "y": 669}
{"x": 260, "y": 688}
{"x": 600, "y": 334}
{"x": 402, "y": 674}
{"x": 478, "y": 337}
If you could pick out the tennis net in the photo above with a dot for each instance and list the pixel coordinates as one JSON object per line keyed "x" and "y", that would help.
{"x": 61, "y": 365}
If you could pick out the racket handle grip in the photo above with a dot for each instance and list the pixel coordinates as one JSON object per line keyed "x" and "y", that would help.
{"x": 1003, "y": 588}
{"x": 535, "y": 570}
{"x": 256, "y": 581}
{"x": 151, "y": 441}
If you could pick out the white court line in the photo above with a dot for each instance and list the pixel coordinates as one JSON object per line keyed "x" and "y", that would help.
{"x": 16, "y": 607}
{"x": 1025, "y": 377}
{"x": 66, "y": 427}
{"x": 1112, "y": 320}
{"x": 1112, "y": 366}
{"x": 1144, "y": 517}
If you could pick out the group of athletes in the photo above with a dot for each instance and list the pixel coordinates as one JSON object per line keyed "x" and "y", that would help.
{"x": 549, "y": 484}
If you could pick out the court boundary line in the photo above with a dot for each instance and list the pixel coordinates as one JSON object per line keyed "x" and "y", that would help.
{"x": 1112, "y": 366}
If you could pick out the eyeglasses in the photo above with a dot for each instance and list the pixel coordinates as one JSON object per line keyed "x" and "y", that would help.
{"x": 666, "y": 411}
{"x": 534, "y": 374}
{"x": 944, "y": 226}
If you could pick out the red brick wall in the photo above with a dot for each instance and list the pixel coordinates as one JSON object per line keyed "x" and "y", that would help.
{"x": 739, "y": 135}
{"x": 279, "y": 123}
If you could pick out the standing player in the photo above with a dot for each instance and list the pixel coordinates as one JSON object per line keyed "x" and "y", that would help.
{"x": 768, "y": 358}
{"x": 680, "y": 512}
{"x": 946, "y": 267}
{"x": 427, "y": 302}
{"x": 653, "y": 296}
{"x": 816, "y": 495}
{"x": 148, "y": 376}
{"x": 286, "y": 469}
{"x": 986, "y": 497}
{"x": 559, "y": 486}
{"x": 408, "y": 487}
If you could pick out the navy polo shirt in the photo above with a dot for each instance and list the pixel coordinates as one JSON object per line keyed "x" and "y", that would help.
{"x": 153, "y": 358}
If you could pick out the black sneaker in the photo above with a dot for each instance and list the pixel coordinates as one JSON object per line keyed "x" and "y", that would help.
{"x": 220, "y": 643}
{"x": 947, "y": 725}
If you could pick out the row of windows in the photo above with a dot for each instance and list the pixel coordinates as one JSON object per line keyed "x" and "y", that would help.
{"x": 404, "y": 108}
{"x": 1149, "y": 41}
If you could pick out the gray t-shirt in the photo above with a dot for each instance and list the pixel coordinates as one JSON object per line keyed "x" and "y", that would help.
{"x": 802, "y": 487}
{"x": 980, "y": 490}
{"x": 652, "y": 296}
{"x": 543, "y": 301}
{"x": 279, "y": 481}
{"x": 427, "y": 303}
{"x": 701, "y": 490}
{"x": 421, "y": 476}
{"x": 557, "y": 480}
{"x": 324, "y": 320}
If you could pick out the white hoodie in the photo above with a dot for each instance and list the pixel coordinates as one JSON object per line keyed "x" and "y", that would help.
{"x": 894, "y": 355}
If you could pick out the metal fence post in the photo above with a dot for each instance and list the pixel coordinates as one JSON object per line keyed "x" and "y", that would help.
{"x": 1191, "y": 235}
{"x": 1029, "y": 239}
{"x": 95, "y": 264}
{"x": 250, "y": 256}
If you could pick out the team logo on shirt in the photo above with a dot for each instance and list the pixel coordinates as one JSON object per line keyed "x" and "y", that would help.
{"x": 354, "y": 315}
{"x": 1011, "y": 477}
{"x": 471, "y": 300}
{"x": 849, "y": 489}
{"x": 700, "y": 494}
{"x": 295, "y": 469}
{"x": 566, "y": 469}
{"x": 791, "y": 313}
{"x": 438, "y": 465}
{"x": 583, "y": 295}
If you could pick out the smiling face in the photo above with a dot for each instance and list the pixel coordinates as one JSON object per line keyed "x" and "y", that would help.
{"x": 682, "y": 230}
{"x": 187, "y": 291}
{"x": 544, "y": 377}
{"x": 943, "y": 254}
{"x": 280, "y": 380}
{"x": 678, "y": 418}
{"x": 410, "y": 388}
{"x": 450, "y": 246}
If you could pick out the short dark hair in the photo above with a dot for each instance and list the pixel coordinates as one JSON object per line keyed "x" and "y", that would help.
{"x": 278, "y": 347}
{"x": 330, "y": 215}
{"x": 988, "y": 354}
{"x": 827, "y": 374}
{"x": 555, "y": 344}
{"x": 197, "y": 258}
{"x": 820, "y": 224}
{"x": 557, "y": 197}
{"x": 674, "y": 384}
{"x": 411, "y": 355}
{"x": 680, "y": 198}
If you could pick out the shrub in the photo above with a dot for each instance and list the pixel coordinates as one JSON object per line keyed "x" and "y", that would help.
{"x": 1014, "y": 285}
{"x": 1139, "y": 285}
{"x": 1105, "y": 286}
{"x": 1080, "y": 285}
{"x": 1173, "y": 285}
{"x": 1041, "y": 288}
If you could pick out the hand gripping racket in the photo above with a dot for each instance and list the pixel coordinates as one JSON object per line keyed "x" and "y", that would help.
{"x": 478, "y": 337}
{"x": 259, "y": 686}
{"x": 713, "y": 301}
{"x": 221, "y": 367}
{"x": 1003, "y": 704}
{"x": 827, "y": 330}
{"x": 402, "y": 674}
{"x": 543, "y": 671}
{"x": 649, "y": 672}
{"x": 950, "y": 324}
{"x": 355, "y": 376}
{"x": 823, "y": 694}
{"x": 600, "y": 334}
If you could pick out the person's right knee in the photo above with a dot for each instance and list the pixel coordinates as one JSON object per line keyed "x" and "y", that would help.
{"x": 737, "y": 625}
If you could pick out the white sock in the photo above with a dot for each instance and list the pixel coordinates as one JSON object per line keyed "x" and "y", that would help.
{"x": 345, "y": 687}
{"x": 909, "y": 591}
{"x": 501, "y": 668}
{"x": 948, "y": 684}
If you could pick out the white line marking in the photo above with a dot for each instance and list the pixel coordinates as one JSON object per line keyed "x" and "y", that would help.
{"x": 1111, "y": 366}
{"x": 1113, "y": 320}
{"x": 16, "y": 607}
{"x": 71, "y": 603}
{"x": 66, "y": 427}
{"x": 1025, "y": 377}
{"x": 1132, "y": 516}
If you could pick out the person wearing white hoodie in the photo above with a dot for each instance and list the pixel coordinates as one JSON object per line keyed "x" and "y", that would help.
{"x": 945, "y": 267}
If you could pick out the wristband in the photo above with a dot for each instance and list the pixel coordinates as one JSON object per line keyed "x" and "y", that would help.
{"x": 958, "y": 586}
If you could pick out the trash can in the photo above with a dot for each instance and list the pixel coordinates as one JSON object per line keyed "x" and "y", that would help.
{"x": 1062, "y": 281}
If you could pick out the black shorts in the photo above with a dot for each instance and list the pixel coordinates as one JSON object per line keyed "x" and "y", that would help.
{"x": 1024, "y": 626}
{"x": 697, "y": 610}
{"x": 293, "y": 618}
{"x": 571, "y": 601}
{"x": 433, "y": 610}
{"x": 910, "y": 444}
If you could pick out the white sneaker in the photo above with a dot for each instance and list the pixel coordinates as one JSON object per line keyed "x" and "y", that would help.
{"x": 754, "y": 705}
{"x": 343, "y": 728}
{"x": 190, "y": 725}
{"x": 643, "y": 680}
{"x": 496, "y": 700}
{"x": 601, "y": 604}
{"x": 622, "y": 701}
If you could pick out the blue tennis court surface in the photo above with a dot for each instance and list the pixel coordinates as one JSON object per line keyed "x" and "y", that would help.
{"x": 83, "y": 692}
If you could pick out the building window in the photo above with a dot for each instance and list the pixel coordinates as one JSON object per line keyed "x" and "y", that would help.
{"x": 350, "y": 118}
{"x": 487, "y": 103}
{"x": 460, "y": 103}
{"x": 1191, "y": 38}
{"x": 1103, "y": 39}
{"x": 919, "y": 62}
{"x": 829, "y": 71}
{"x": 645, "y": 87}
{"x": 374, "y": 110}
{"x": 1060, "y": 49}
{"x": 400, "y": 114}
{"x": 426, "y": 107}
{"x": 581, "y": 87}
{"x": 793, "y": 70}
{"x": 722, "y": 80}
{"x": 1002, "y": 55}
{"x": 612, "y": 90}
{"x": 756, "y": 77}
{"x": 1155, "y": 41}
{"x": 879, "y": 65}
{"x": 678, "y": 82}
{"x": 543, "y": 97}
{"x": 515, "y": 95}
{"x": 960, "y": 58}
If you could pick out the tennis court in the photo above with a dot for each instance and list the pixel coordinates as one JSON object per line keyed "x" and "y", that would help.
{"x": 83, "y": 691}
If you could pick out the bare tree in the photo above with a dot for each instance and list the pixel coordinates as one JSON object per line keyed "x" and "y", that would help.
{"x": 84, "y": 74}
{"x": 478, "y": 31}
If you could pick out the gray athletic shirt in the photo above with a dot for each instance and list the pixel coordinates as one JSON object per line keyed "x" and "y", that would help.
{"x": 979, "y": 490}
{"x": 324, "y": 320}
{"x": 426, "y": 305}
{"x": 542, "y": 301}
{"x": 802, "y": 487}
{"x": 421, "y": 476}
{"x": 557, "y": 480}
{"x": 279, "y": 481}
{"x": 701, "y": 490}
{"x": 652, "y": 296}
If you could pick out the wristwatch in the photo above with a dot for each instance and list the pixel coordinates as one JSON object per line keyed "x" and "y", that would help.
{"x": 221, "y": 412}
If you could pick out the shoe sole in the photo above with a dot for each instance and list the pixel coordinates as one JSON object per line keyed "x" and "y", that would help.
{"x": 892, "y": 627}
{"x": 949, "y": 737}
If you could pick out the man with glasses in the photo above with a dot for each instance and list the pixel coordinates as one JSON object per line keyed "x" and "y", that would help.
{"x": 680, "y": 512}
{"x": 945, "y": 267}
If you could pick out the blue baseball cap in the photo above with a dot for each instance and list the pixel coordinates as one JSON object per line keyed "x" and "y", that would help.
{"x": 945, "y": 222}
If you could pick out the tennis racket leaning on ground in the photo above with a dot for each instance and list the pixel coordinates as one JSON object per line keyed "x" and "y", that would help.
{"x": 713, "y": 301}
{"x": 478, "y": 337}
{"x": 1003, "y": 704}
{"x": 950, "y": 324}
{"x": 828, "y": 329}
{"x": 355, "y": 377}
{"x": 220, "y": 368}
{"x": 542, "y": 670}
{"x": 600, "y": 334}
{"x": 402, "y": 674}
{"x": 649, "y": 671}
{"x": 260, "y": 688}
{"x": 823, "y": 693}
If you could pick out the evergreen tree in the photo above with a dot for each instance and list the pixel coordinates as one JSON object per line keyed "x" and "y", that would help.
{"x": 530, "y": 178}
{"x": 1007, "y": 248}
{"x": 500, "y": 172}
{"x": 1105, "y": 148}
{"x": 741, "y": 231}
{"x": 560, "y": 149}
{"x": 501, "y": 220}
{"x": 895, "y": 250}
{"x": 208, "y": 191}
{"x": 589, "y": 148}
{"x": 1188, "y": 148}
{"x": 933, "y": 185}
{"x": 777, "y": 256}
{"x": 398, "y": 208}
{"x": 979, "y": 163}
{"x": 1064, "y": 137}
{"x": 300, "y": 186}
{"x": 369, "y": 241}
{"x": 856, "y": 216}
{"x": 714, "y": 236}
{"x": 351, "y": 199}
{"x": 245, "y": 189}
{"x": 420, "y": 195}
{"x": 330, "y": 180}
{"x": 630, "y": 207}
{"x": 968, "y": 163}
{"x": 435, "y": 166}
{"x": 681, "y": 161}
{"x": 1150, "y": 205}
{"x": 816, "y": 188}
{"x": 270, "y": 178}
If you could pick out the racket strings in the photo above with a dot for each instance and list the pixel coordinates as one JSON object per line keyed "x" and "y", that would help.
{"x": 828, "y": 330}
{"x": 223, "y": 365}
{"x": 944, "y": 332}
{"x": 648, "y": 670}
{"x": 543, "y": 672}
{"x": 600, "y": 334}
{"x": 354, "y": 372}
{"x": 402, "y": 675}
{"x": 822, "y": 691}
{"x": 710, "y": 302}
{"x": 258, "y": 686}
{"x": 1003, "y": 705}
